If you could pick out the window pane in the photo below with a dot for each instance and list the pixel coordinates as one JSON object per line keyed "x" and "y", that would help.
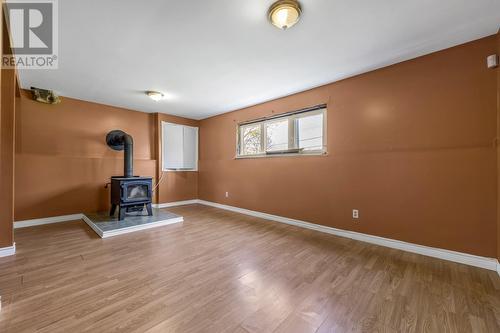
{"x": 250, "y": 139}
{"x": 277, "y": 135}
{"x": 310, "y": 132}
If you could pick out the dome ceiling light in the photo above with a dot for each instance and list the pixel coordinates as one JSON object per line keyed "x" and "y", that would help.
{"x": 155, "y": 95}
{"x": 285, "y": 13}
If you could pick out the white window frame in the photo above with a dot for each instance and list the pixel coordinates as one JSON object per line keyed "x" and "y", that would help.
{"x": 292, "y": 134}
{"x": 164, "y": 124}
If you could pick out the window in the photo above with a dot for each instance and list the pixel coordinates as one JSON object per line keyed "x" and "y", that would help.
{"x": 277, "y": 135}
{"x": 179, "y": 147}
{"x": 310, "y": 132}
{"x": 251, "y": 139}
{"x": 299, "y": 132}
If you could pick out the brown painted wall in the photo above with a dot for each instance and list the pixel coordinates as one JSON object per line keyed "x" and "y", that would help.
{"x": 410, "y": 146}
{"x": 7, "y": 116}
{"x": 62, "y": 161}
{"x": 8, "y": 106}
{"x": 498, "y": 149}
{"x": 174, "y": 186}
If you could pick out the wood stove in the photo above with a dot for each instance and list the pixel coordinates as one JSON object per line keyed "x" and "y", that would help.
{"x": 131, "y": 194}
{"x": 128, "y": 192}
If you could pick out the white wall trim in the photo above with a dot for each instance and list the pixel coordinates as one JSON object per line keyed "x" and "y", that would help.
{"x": 463, "y": 258}
{"x": 176, "y": 203}
{"x": 81, "y": 216}
{"x": 47, "y": 220}
{"x": 8, "y": 251}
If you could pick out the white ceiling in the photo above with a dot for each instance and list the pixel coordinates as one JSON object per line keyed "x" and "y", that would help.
{"x": 214, "y": 56}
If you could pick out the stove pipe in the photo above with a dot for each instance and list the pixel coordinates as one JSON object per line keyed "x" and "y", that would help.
{"x": 119, "y": 140}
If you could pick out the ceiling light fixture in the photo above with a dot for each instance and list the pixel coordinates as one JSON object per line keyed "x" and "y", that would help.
{"x": 285, "y": 13}
{"x": 155, "y": 95}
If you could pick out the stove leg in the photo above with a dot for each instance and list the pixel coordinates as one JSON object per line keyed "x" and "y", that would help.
{"x": 150, "y": 210}
{"x": 113, "y": 209}
{"x": 122, "y": 212}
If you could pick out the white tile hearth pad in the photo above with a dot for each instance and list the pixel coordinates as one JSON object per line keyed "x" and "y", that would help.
{"x": 107, "y": 226}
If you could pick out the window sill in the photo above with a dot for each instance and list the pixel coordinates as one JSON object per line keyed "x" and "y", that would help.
{"x": 180, "y": 170}
{"x": 244, "y": 157}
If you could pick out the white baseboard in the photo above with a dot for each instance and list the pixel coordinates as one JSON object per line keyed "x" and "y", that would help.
{"x": 463, "y": 258}
{"x": 72, "y": 217}
{"x": 176, "y": 203}
{"x": 459, "y": 257}
{"x": 47, "y": 220}
{"x": 8, "y": 251}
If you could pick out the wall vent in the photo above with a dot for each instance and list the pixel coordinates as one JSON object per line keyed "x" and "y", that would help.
{"x": 45, "y": 96}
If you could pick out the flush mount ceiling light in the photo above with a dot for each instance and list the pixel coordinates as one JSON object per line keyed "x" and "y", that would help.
{"x": 285, "y": 13}
{"x": 155, "y": 95}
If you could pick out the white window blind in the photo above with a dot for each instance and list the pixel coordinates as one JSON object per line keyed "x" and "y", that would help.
{"x": 179, "y": 147}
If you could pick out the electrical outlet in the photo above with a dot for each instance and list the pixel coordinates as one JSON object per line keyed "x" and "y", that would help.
{"x": 492, "y": 61}
{"x": 355, "y": 214}
{"x": 227, "y": 194}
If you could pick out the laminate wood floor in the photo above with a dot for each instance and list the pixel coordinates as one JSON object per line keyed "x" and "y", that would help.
{"x": 224, "y": 272}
